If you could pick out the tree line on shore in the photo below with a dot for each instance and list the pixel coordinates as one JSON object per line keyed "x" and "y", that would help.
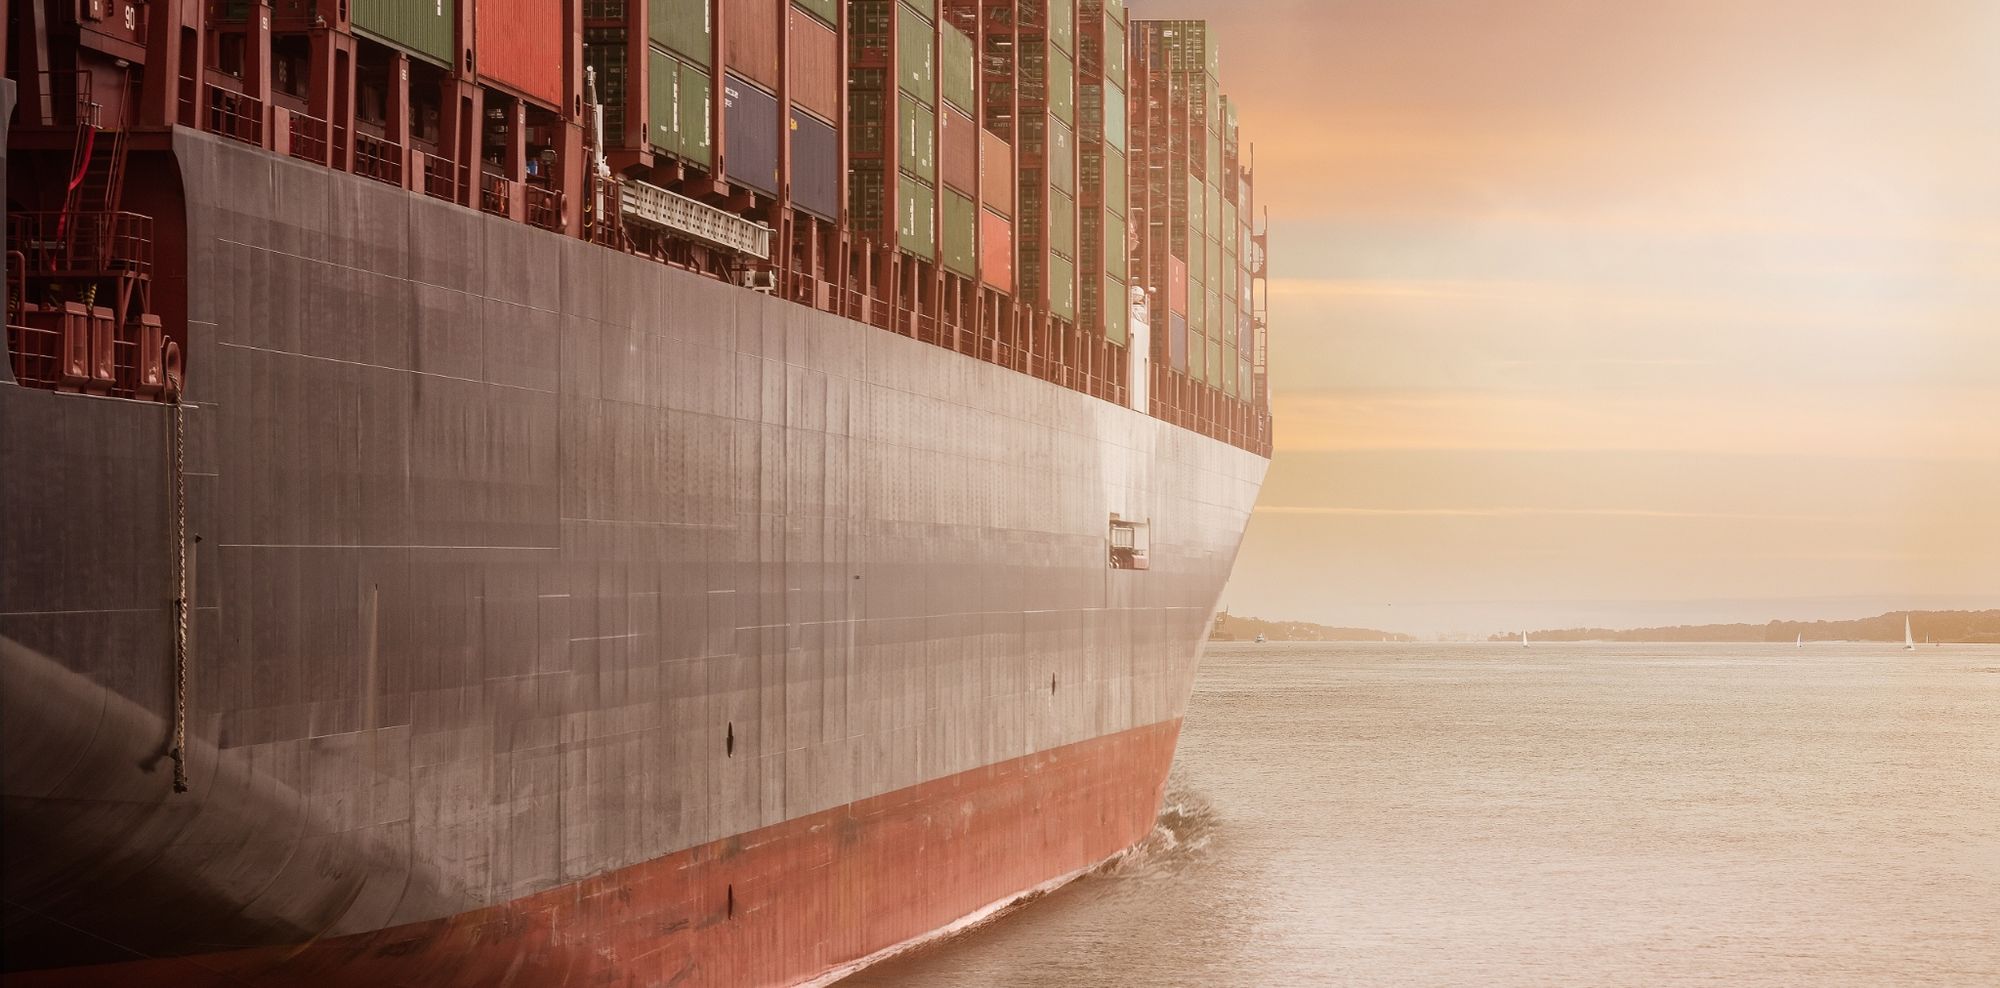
{"x": 1938, "y": 626}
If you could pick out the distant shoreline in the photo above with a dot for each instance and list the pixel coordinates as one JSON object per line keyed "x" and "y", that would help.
{"x": 1939, "y": 627}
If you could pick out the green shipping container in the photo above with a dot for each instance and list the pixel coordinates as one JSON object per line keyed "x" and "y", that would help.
{"x": 697, "y": 100}
{"x": 1197, "y": 209}
{"x": 1197, "y": 352}
{"x": 960, "y": 69}
{"x": 1114, "y": 182}
{"x": 677, "y": 113}
{"x": 826, "y": 10}
{"x": 916, "y": 217}
{"x": 1062, "y": 87}
{"x": 1117, "y": 311}
{"x": 917, "y": 138}
{"x": 1115, "y": 126}
{"x": 1229, "y": 364}
{"x": 1197, "y": 264}
{"x": 425, "y": 28}
{"x": 1062, "y": 24}
{"x": 1061, "y": 153}
{"x": 1062, "y": 288}
{"x": 686, "y": 27}
{"x": 1062, "y": 224}
{"x": 1115, "y": 259}
{"x": 916, "y": 54}
{"x": 1214, "y": 368}
{"x": 1197, "y": 310}
{"x": 1232, "y": 270}
{"x": 1227, "y": 231}
{"x": 961, "y": 234}
{"x": 1114, "y": 48}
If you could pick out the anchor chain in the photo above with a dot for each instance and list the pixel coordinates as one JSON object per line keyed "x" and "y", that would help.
{"x": 182, "y": 606}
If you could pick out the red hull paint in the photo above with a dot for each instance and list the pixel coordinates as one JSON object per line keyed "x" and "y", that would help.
{"x": 774, "y": 906}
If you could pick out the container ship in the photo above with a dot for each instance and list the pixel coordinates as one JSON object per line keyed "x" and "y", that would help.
{"x": 562, "y": 492}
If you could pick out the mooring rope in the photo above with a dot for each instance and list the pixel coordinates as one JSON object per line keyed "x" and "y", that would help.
{"x": 182, "y": 606}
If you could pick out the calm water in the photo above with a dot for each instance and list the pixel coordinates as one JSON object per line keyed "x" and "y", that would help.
{"x": 1581, "y": 815}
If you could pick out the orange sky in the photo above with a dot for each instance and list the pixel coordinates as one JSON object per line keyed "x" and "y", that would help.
{"x": 1614, "y": 313}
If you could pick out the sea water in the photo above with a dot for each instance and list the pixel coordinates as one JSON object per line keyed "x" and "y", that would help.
{"x": 1564, "y": 815}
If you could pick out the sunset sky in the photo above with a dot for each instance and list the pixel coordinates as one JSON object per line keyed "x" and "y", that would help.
{"x": 1592, "y": 312}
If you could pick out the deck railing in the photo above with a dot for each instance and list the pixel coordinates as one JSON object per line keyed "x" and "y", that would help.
{"x": 378, "y": 159}
{"x": 233, "y": 114}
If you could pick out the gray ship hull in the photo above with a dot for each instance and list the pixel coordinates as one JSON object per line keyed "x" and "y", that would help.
{"x": 526, "y": 572}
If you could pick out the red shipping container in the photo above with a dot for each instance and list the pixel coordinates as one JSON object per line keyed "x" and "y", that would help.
{"x": 961, "y": 150}
{"x": 996, "y": 173}
{"x": 750, "y": 40}
{"x": 996, "y": 250}
{"x": 1177, "y": 285}
{"x": 520, "y": 44}
{"x": 815, "y": 75}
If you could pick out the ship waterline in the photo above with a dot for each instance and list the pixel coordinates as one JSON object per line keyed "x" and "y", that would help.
{"x": 562, "y": 614}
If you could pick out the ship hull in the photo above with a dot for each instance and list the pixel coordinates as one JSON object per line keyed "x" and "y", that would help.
{"x": 560, "y": 614}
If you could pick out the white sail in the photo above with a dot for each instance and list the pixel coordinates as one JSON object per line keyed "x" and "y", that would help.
{"x": 1802, "y": 640}
{"x": 1524, "y": 639}
{"x": 1909, "y": 643}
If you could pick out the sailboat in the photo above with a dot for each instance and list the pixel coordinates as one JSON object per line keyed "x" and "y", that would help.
{"x": 1524, "y": 639}
{"x": 1802, "y": 639}
{"x": 1909, "y": 643}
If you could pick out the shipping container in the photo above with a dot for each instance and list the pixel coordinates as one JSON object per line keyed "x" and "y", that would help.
{"x": 1229, "y": 373}
{"x": 697, "y": 113}
{"x": 1117, "y": 311}
{"x": 959, "y": 68}
{"x": 961, "y": 234}
{"x": 1061, "y": 157}
{"x": 750, "y": 135}
{"x": 1177, "y": 286}
{"x": 815, "y": 67}
{"x": 1114, "y": 261}
{"x": 826, "y": 10}
{"x": 959, "y": 140}
{"x": 1115, "y": 197}
{"x": 996, "y": 251}
{"x": 1062, "y": 288}
{"x": 1114, "y": 54}
{"x": 684, "y": 27}
{"x": 916, "y": 217}
{"x": 1177, "y": 342}
{"x": 424, "y": 28}
{"x": 816, "y": 166}
{"x": 916, "y": 54}
{"x": 750, "y": 35}
{"x": 1116, "y": 126}
{"x": 1197, "y": 311}
{"x": 1212, "y": 368}
{"x": 996, "y": 173}
{"x": 1062, "y": 224}
{"x": 679, "y": 111}
{"x": 1197, "y": 367}
{"x": 917, "y": 138}
{"x": 1062, "y": 23}
{"x": 520, "y": 44}
{"x": 1062, "y": 87}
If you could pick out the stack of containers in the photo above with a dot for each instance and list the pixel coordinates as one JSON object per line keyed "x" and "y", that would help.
{"x": 1236, "y": 249}
{"x": 992, "y": 105}
{"x": 959, "y": 136}
{"x": 779, "y": 81}
{"x": 813, "y": 84}
{"x": 1046, "y": 224}
{"x": 1157, "y": 129}
{"x": 1193, "y": 224}
{"x": 892, "y": 89}
{"x": 656, "y": 79}
{"x": 1102, "y": 197}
